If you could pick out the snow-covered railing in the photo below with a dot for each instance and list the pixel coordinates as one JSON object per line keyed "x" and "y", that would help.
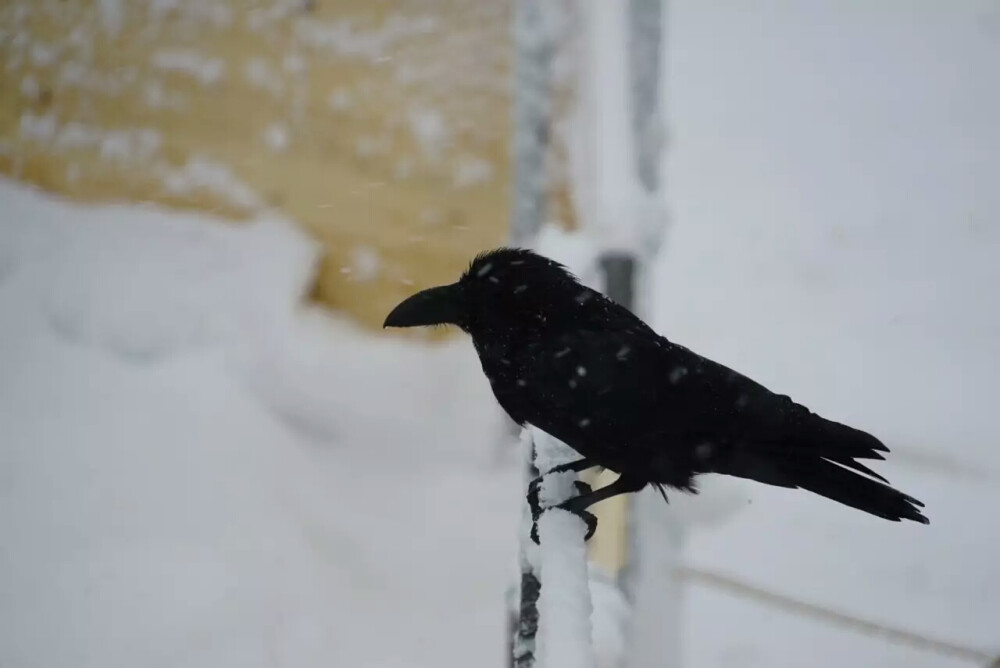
{"x": 560, "y": 559}
{"x": 535, "y": 48}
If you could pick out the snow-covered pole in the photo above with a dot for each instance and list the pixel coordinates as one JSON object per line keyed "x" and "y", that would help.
{"x": 535, "y": 47}
{"x": 560, "y": 559}
{"x": 618, "y": 173}
{"x": 655, "y": 535}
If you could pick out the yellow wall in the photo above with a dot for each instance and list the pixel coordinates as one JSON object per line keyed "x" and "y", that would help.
{"x": 380, "y": 126}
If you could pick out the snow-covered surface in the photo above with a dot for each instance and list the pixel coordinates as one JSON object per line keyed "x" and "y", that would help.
{"x": 832, "y": 180}
{"x": 204, "y": 174}
{"x": 206, "y": 69}
{"x": 565, "y": 635}
{"x": 197, "y": 470}
{"x": 564, "y": 605}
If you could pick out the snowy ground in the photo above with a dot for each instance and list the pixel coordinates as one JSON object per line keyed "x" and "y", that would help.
{"x": 196, "y": 470}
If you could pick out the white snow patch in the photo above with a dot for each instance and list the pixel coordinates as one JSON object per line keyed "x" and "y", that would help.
{"x": 294, "y": 63}
{"x": 472, "y": 171}
{"x": 258, "y": 72}
{"x": 345, "y": 39}
{"x": 367, "y": 147}
{"x": 277, "y": 136}
{"x": 155, "y": 96}
{"x": 262, "y": 18}
{"x": 200, "y": 173}
{"x": 564, "y": 606}
{"x": 158, "y": 9}
{"x": 75, "y": 135}
{"x": 429, "y": 129}
{"x": 39, "y": 128}
{"x": 131, "y": 145}
{"x": 609, "y": 619}
{"x": 105, "y": 281}
{"x": 126, "y": 145}
{"x": 218, "y": 14}
{"x": 207, "y": 70}
{"x": 82, "y": 40}
{"x": 365, "y": 263}
{"x": 339, "y": 99}
{"x": 74, "y": 73}
{"x": 112, "y": 16}
{"x": 43, "y": 55}
{"x": 30, "y": 87}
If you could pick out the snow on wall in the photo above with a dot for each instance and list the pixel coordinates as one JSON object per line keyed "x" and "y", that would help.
{"x": 207, "y": 70}
{"x": 301, "y": 104}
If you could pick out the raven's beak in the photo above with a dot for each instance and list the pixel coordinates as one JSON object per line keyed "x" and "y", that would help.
{"x": 434, "y": 306}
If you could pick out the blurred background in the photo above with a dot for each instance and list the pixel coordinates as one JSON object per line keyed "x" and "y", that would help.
{"x": 211, "y": 455}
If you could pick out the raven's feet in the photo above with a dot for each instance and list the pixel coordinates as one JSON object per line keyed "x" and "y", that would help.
{"x": 582, "y": 489}
{"x": 534, "y": 488}
{"x": 589, "y": 518}
{"x": 533, "y": 503}
{"x": 535, "y": 485}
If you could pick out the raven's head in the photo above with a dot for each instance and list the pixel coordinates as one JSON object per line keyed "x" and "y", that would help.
{"x": 501, "y": 289}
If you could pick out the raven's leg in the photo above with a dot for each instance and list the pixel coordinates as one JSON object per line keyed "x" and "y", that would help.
{"x": 581, "y": 464}
{"x": 623, "y": 485}
{"x": 578, "y": 504}
{"x": 576, "y": 466}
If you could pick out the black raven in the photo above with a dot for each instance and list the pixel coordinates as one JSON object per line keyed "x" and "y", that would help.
{"x": 568, "y": 360}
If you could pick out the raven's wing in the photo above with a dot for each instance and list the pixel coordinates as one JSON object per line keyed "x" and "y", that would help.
{"x": 600, "y": 391}
{"x": 624, "y": 393}
{"x": 637, "y": 383}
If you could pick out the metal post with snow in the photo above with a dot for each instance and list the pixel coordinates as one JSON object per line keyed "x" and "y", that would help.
{"x": 554, "y": 609}
{"x": 560, "y": 559}
{"x": 533, "y": 64}
{"x": 617, "y": 168}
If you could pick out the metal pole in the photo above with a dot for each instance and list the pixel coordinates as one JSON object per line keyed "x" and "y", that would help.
{"x": 534, "y": 48}
{"x": 655, "y": 537}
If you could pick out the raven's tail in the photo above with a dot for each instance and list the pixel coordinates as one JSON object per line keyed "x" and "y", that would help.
{"x": 822, "y": 458}
{"x": 853, "y": 489}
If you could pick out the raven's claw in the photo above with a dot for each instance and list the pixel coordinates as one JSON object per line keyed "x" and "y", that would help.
{"x": 533, "y": 503}
{"x": 591, "y": 521}
{"x": 534, "y": 488}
